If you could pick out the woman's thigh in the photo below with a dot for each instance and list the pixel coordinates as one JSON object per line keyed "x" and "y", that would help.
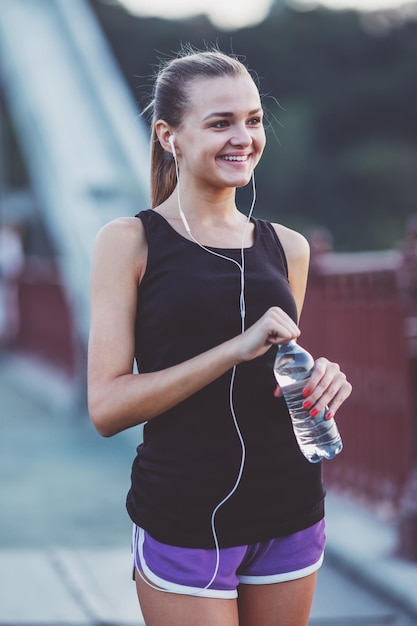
{"x": 160, "y": 608}
{"x": 278, "y": 604}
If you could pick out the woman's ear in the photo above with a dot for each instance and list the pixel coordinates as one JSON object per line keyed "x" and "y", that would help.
{"x": 164, "y": 132}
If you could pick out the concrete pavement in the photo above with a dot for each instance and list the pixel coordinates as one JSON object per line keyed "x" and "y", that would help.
{"x": 67, "y": 588}
{"x": 366, "y": 547}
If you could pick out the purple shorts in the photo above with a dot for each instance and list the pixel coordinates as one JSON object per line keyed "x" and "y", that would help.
{"x": 189, "y": 570}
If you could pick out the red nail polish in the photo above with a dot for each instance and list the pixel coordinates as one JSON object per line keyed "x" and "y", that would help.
{"x": 329, "y": 415}
{"x": 306, "y": 392}
{"x": 306, "y": 404}
{"x": 314, "y": 413}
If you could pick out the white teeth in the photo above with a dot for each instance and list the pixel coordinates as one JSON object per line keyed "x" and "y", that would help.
{"x": 236, "y": 158}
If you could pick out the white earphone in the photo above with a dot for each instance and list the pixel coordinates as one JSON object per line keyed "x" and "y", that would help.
{"x": 171, "y": 140}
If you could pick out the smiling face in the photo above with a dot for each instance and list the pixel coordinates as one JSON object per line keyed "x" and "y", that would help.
{"x": 221, "y": 137}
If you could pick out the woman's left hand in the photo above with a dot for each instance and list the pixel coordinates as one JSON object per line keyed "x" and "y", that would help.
{"x": 327, "y": 387}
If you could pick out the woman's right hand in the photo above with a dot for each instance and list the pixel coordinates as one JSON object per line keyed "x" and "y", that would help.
{"x": 273, "y": 328}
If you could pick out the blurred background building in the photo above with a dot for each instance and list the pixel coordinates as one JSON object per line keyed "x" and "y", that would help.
{"x": 73, "y": 157}
{"x": 340, "y": 89}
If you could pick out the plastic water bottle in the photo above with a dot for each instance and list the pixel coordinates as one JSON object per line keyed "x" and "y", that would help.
{"x": 317, "y": 437}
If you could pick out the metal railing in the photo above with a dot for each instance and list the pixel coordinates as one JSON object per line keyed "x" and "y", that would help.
{"x": 356, "y": 313}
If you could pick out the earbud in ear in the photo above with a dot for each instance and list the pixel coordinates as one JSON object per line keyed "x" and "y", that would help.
{"x": 171, "y": 140}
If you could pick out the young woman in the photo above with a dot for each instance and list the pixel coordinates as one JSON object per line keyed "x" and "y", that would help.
{"x": 228, "y": 515}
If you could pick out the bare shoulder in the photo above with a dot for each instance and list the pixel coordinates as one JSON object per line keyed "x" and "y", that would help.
{"x": 122, "y": 242}
{"x": 123, "y": 230}
{"x": 296, "y": 246}
{"x": 297, "y": 252}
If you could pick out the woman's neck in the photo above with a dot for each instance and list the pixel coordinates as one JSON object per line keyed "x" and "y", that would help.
{"x": 213, "y": 220}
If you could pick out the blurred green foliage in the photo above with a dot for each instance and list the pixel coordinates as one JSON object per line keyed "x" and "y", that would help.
{"x": 341, "y": 95}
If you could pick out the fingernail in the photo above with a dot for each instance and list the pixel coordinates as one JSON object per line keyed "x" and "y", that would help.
{"x": 306, "y": 392}
{"x": 306, "y": 404}
{"x": 329, "y": 415}
{"x": 314, "y": 413}
{"x": 277, "y": 392}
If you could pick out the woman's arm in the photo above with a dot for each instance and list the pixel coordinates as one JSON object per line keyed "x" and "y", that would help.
{"x": 327, "y": 385}
{"x": 118, "y": 399}
{"x": 297, "y": 252}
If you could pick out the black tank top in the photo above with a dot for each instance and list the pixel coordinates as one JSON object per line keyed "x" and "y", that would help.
{"x": 188, "y": 302}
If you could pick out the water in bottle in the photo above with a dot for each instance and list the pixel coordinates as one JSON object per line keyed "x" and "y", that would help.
{"x": 317, "y": 437}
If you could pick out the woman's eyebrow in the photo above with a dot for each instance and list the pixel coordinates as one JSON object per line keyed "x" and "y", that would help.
{"x": 229, "y": 113}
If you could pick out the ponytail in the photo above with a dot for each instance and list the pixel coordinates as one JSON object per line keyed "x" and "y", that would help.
{"x": 163, "y": 175}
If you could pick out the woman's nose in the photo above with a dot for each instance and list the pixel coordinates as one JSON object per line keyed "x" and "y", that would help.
{"x": 241, "y": 137}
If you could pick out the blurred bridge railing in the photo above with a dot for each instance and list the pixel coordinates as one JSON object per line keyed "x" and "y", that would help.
{"x": 46, "y": 329}
{"x": 358, "y": 312}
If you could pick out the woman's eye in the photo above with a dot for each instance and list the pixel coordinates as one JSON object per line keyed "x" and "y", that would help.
{"x": 220, "y": 124}
{"x": 254, "y": 121}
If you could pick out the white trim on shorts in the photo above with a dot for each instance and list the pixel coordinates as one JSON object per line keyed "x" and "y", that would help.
{"x": 281, "y": 578}
{"x": 167, "y": 585}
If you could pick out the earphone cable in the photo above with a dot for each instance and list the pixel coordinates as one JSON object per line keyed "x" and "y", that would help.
{"x": 242, "y": 308}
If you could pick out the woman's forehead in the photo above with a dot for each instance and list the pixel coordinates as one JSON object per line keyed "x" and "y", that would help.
{"x": 223, "y": 94}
